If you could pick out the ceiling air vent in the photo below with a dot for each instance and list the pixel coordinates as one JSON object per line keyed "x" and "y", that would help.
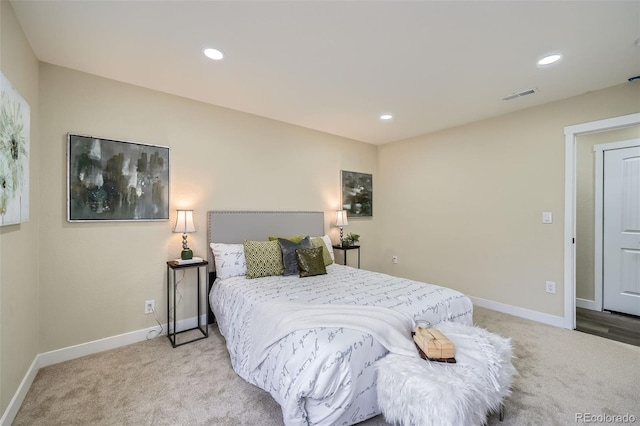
{"x": 520, "y": 94}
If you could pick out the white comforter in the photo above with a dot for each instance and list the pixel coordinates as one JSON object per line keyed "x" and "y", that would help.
{"x": 323, "y": 376}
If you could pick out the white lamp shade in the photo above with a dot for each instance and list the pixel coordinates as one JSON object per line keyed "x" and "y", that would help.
{"x": 184, "y": 222}
{"x": 341, "y": 218}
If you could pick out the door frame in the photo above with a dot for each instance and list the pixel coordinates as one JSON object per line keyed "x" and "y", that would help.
{"x": 570, "y": 133}
{"x": 599, "y": 150}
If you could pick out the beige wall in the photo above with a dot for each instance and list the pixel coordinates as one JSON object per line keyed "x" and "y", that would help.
{"x": 585, "y": 204}
{"x": 463, "y": 207}
{"x": 19, "y": 313}
{"x": 99, "y": 275}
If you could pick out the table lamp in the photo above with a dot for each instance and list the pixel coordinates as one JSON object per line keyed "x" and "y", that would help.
{"x": 341, "y": 220}
{"x": 184, "y": 224}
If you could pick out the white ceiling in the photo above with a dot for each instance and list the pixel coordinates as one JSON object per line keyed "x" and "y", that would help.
{"x": 335, "y": 66}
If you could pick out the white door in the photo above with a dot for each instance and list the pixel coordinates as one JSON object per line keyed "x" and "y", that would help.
{"x": 621, "y": 240}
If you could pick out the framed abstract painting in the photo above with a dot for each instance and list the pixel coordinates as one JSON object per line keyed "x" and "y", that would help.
{"x": 357, "y": 194}
{"x": 111, "y": 180}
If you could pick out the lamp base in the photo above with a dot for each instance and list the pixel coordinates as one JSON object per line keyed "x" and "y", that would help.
{"x": 186, "y": 254}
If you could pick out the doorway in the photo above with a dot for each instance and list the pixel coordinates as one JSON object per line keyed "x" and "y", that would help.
{"x": 607, "y": 289}
{"x": 571, "y": 134}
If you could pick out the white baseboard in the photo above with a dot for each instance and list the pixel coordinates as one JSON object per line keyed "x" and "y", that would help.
{"x": 554, "y": 320}
{"x": 586, "y": 304}
{"x": 72, "y": 352}
{"x": 15, "y": 403}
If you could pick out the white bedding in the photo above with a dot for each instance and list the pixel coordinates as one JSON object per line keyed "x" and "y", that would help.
{"x": 325, "y": 375}
{"x": 390, "y": 328}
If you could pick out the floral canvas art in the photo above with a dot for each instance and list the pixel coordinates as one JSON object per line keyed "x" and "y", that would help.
{"x": 14, "y": 155}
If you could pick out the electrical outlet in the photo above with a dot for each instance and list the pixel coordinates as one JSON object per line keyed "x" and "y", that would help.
{"x": 149, "y": 306}
{"x": 551, "y": 287}
{"x": 394, "y": 259}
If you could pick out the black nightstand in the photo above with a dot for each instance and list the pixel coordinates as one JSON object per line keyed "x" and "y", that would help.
{"x": 345, "y": 250}
{"x": 173, "y": 266}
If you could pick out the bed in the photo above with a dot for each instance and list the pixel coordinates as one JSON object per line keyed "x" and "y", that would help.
{"x": 320, "y": 363}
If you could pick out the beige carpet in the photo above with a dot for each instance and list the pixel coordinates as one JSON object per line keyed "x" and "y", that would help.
{"x": 562, "y": 373}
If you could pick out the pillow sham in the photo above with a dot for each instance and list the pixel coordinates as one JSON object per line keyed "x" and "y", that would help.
{"x": 229, "y": 260}
{"x": 264, "y": 258}
{"x": 289, "y": 260}
{"x": 310, "y": 262}
{"x": 329, "y": 244}
{"x": 326, "y": 256}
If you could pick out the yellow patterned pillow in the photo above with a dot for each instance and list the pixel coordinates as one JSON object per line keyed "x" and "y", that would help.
{"x": 264, "y": 258}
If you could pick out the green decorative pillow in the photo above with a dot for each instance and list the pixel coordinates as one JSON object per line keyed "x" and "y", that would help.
{"x": 264, "y": 258}
{"x": 289, "y": 254}
{"x": 310, "y": 262}
{"x": 326, "y": 256}
{"x": 295, "y": 239}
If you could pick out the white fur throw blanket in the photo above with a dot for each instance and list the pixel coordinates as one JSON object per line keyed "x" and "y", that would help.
{"x": 273, "y": 321}
{"x": 427, "y": 393}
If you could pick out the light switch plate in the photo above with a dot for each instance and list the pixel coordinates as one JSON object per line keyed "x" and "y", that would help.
{"x": 547, "y": 217}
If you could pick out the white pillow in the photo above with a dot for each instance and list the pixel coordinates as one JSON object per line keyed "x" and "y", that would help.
{"x": 229, "y": 260}
{"x": 327, "y": 242}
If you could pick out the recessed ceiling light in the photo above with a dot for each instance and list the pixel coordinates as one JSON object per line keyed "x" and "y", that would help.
{"x": 550, "y": 59}
{"x": 214, "y": 54}
{"x": 386, "y": 117}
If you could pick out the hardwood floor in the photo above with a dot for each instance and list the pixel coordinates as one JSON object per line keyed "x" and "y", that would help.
{"x": 614, "y": 326}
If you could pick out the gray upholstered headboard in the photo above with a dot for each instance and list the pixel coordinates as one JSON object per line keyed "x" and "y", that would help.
{"x": 238, "y": 226}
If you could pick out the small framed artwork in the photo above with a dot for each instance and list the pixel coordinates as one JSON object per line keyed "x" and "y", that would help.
{"x": 111, "y": 180}
{"x": 357, "y": 194}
